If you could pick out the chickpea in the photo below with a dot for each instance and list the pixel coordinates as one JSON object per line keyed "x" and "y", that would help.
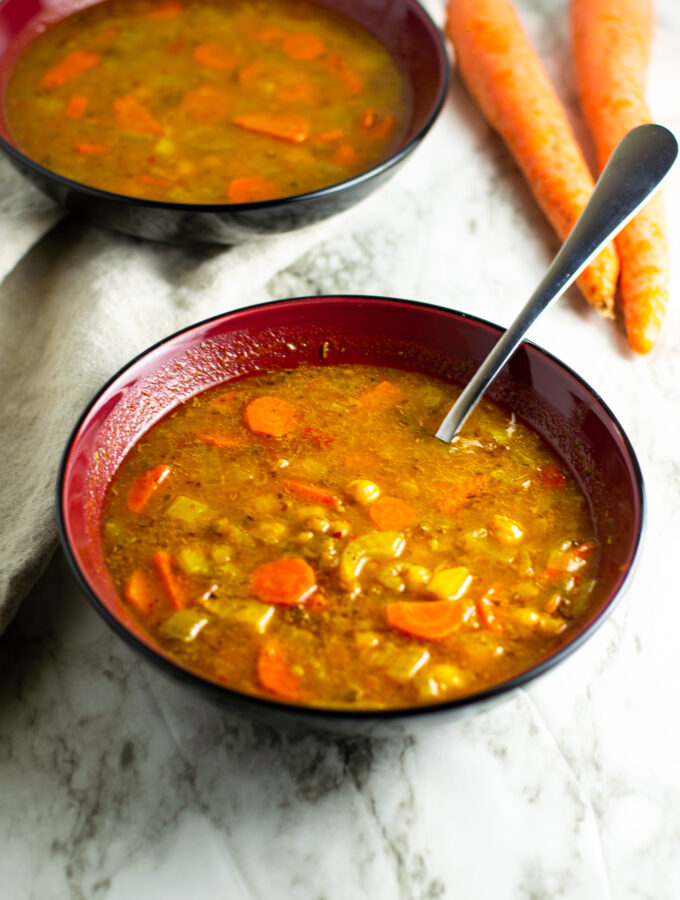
{"x": 364, "y": 492}
{"x": 339, "y": 528}
{"x": 304, "y": 537}
{"x": 271, "y": 531}
{"x": 318, "y": 524}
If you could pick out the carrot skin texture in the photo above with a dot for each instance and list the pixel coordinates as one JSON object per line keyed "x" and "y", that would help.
{"x": 611, "y": 44}
{"x": 507, "y": 80}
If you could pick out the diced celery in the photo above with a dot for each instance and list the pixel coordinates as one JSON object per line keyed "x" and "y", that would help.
{"x": 450, "y": 584}
{"x": 193, "y": 561}
{"x": 405, "y": 663}
{"x": 380, "y": 546}
{"x": 184, "y": 625}
{"x": 188, "y": 510}
{"x": 252, "y": 613}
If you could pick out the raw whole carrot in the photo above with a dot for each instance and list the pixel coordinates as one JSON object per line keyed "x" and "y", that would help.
{"x": 283, "y": 126}
{"x": 251, "y": 189}
{"x": 431, "y": 620}
{"x": 271, "y": 415}
{"x": 140, "y": 591}
{"x": 303, "y": 46}
{"x": 312, "y": 492}
{"x": 506, "y": 78}
{"x": 131, "y": 115}
{"x": 611, "y": 42}
{"x": 207, "y": 103}
{"x": 76, "y": 63}
{"x": 76, "y": 107}
{"x": 288, "y": 581}
{"x": 145, "y": 486}
{"x": 167, "y": 569}
{"x": 275, "y": 674}
{"x": 214, "y": 55}
{"x": 392, "y": 514}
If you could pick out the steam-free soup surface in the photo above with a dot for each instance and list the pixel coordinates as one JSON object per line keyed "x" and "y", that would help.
{"x": 207, "y": 102}
{"x": 301, "y": 535}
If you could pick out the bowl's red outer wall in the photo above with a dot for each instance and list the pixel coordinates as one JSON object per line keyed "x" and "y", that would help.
{"x": 544, "y": 393}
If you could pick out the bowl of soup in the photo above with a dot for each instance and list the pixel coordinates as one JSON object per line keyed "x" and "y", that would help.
{"x": 195, "y": 120}
{"x": 259, "y": 506}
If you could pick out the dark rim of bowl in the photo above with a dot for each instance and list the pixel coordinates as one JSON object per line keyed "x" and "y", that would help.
{"x": 392, "y": 160}
{"x": 319, "y": 713}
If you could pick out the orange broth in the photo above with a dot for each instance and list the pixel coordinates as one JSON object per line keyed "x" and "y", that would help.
{"x": 199, "y": 101}
{"x": 301, "y": 535}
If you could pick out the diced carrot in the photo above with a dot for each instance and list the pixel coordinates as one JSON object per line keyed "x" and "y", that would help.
{"x": 167, "y": 569}
{"x": 224, "y": 400}
{"x": 165, "y": 9}
{"x": 458, "y": 495}
{"x": 318, "y": 602}
{"x": 76, "y": 63}
{"x": 214, "y": 55}
{"x": 487, "y": 608}
{"x": 207, "y": 103}
{"x": 271, "y": 415}
{"x": 367, "y": 118}
{"x": 76, "y": 107}
{"x": 345, "y": 155}
{"x": 274, "y": 673}
{"x": 153, "y": 180}
{"x": 384, "y": 394}
{"x": 288, "y": 581}
{"x": 283, "y": 126}
{"x": 330, "y": 137}
{"x": 131, "y": 115}
{"x": 392, "y": 514}
{"x": 431, "y": 620}
{"x": 227, "y": 441}
{"x": 550, "y": 478}
{"x": 350, "y": 79}
{"x": 251, "y": 189}
{"x": 312, "y": 492}
{"x": 303, "y": 46}
{"x": 140, "y": 591}
{"x": 552, "y": 604}
{"x": 87, "y": 149}
{"x": 295, "y": 93}
{"x": 145, "y": 486}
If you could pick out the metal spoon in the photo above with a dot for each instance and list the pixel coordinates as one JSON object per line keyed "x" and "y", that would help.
{"x": 633, "y": 174}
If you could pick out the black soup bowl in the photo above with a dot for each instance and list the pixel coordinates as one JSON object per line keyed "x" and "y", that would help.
{"x": 402, "y": 26}
{"x": 543, "y": 392}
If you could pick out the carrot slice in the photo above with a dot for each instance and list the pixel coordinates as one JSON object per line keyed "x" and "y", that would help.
{"x": 303, "y": 46}
{"x": 140, "y": 591}
{"x": 165, "y": 9}
{"x": 274, "y": 673}
{"x": 227, "y": 441}
{"x": 283, "y": 126}
{"x": 392, "y": 514}
{"x": 288, "y": 581}
{"x": 487, "y": 608}
{"x": 131, "y": 115}
{"x": 251, "y": 189}
{"x": 272, "y": 416}
{"x": 458, "y": 495}
{"x": 207, "y": 103}
{"x": 167, "y": 569}
{"x": 87, "y": 149}
{"x": 76, "y": 107}
{"x": 76, "y": 63}
{"x": 312, "y": 492}
{"x": 214, "y": 55}
{"x": 330, "y": 136}
{"x": 382, "y": 395}
{"x": 145, "y": 486}
{"x": 505, "y": 76}
{"x": 431, "y": 620}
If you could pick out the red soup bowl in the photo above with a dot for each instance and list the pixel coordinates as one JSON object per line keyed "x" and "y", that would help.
{"x": 545, "y": 394}
{"x": 402, "y": 26}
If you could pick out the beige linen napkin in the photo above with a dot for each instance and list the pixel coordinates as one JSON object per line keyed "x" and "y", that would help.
{"x": 75, "y": 304}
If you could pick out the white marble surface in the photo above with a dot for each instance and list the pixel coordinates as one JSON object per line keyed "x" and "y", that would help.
{"x": 116, "y": 783}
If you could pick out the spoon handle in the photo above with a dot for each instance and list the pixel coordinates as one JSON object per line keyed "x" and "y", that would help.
{"x": 634, "y": 172}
